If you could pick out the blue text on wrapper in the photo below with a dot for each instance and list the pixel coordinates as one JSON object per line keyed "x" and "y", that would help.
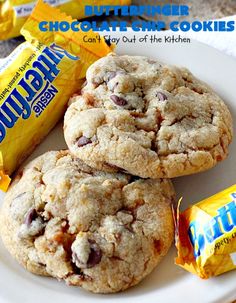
{"x": 201, "y": 235}
{"x": 37, "y": 86}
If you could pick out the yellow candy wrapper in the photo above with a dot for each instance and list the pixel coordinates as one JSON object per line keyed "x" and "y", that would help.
{"x": 37, "y": 80}
{"x": 4, "y": 179}
{"x": 206, "y": 235}
{"x": 14, "y": 13}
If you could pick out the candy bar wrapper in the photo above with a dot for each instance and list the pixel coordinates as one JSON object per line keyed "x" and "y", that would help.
{"x": 4, "y": 179}
{"x": 206, "y": 235}
{"x": 37, "y": 80}
{"x": 14, "y": 13}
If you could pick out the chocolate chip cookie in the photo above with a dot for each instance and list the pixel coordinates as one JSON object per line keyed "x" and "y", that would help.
{"x": 148, "y": 119}
{"x": 102, "y": 231}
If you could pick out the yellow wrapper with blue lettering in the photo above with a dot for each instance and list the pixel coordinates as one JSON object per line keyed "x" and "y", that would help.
{"x": 206, "y": 235}
{"x": 37, "y": 80}
{"x": 14, "y": 13}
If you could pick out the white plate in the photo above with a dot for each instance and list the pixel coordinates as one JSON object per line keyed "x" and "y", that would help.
{"x": 168, "y": 283}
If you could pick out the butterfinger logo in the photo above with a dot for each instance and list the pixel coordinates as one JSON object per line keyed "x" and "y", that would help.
{"x": 217, "y": 227}
{"x": 34, "y": 91}
{"x": 206, "y": 238}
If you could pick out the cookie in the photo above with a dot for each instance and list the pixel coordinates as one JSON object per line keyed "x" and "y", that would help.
{"x": 101, "y": 231}
{"x": 148, "y": 119}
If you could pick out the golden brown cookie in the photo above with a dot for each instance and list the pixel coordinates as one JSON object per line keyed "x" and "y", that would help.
{"x": 148, "y": 119}
{"x": 102, "y": 231}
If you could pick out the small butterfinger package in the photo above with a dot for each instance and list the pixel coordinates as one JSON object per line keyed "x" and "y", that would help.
{"x": 206, "y": 235}
{"x": 14, "y": 13}
{"x": 37, "y": 80}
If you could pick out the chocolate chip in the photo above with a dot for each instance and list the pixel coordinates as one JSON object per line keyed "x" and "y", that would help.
{"x": 83, "y": 141}
{"x": 30, "y": 216}
{"x": 95, "y": 255}
{"x": 161, "y": 96}
{"x": 118, "y": 100}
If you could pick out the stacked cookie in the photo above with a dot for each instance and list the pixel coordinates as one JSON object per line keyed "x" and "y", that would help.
{"x": 149, "y": 119}
{"x": 97, "y": 216}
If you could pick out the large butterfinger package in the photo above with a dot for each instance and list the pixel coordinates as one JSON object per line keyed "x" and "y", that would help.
{"x": 36, "y": 82}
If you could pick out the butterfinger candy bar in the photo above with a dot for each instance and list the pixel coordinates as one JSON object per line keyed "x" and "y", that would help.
{"x": 14, "y": 13}
{"x": 37, "y": 80}
{"x": 206, "y": 235}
